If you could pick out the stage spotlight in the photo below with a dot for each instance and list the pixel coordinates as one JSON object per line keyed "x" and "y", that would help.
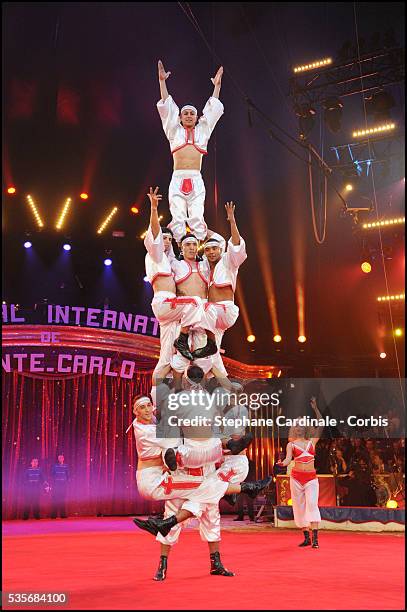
{"x": 313, "y": 65}
{"x": 277, "y": 338}
{"x": 107, "y": 219}
{"x": 392, "y": 504}
{"x": 63, "y": 214}
{"x": 27, "y": 244}
{"x": 302, "y": 339}
{"x": 134, "y": 210}
{"x": 11, "y": 190}
{"x": 385, "y": 298}
{"x": 366, "y": 267}
{"x": 108, "y": 261}
{"x": 67, "y": 247}
{"x": 349, "y": 187}
{"x": 398, "y": 332}
{"x": 145, "y": 279}
{"x": 383, "y": 355}
{"x": 333, "y": 113}
{"x": 35, "y": 211}
{"x": 251, "y": 338}
{"x": 384, "y": 223}
{"x": 84, "y": 196}
{"x": 306, "y": 119}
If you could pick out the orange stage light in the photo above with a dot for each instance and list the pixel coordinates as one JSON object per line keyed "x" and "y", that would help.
{"x": 366, "y": 267}
{"x": 84, "y": 196}
{"x": 11, "y": 190}
{"x": 134, "y": 210}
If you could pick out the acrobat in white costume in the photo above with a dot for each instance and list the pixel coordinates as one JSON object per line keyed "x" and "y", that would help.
{"x": 197, "y": 486}
{"x": 170, "y": 311}
{"x": 224, "y": 275}
{"x": 187, "y": 190}
{"x": 234, "y": 470}
{"x": 182, "y": 271}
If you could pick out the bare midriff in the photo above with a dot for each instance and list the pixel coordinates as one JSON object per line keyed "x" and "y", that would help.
{"x": 304, "y": 467}
{"x": 148, "y": 463}
{"x": 187, "y": 158}
{"x": 220, "y": 294}
{"x": 194, "y": 285}
{"x": 164, "y": 283}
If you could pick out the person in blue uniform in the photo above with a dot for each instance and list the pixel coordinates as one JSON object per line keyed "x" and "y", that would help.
{"x": 33, "y": 482}
{"x": 60, "y": 479}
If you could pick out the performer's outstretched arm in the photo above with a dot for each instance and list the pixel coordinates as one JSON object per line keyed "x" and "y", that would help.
{"x": 288, "y": 457}
{"x": 217, "y": 81}
{"x": 317, "y": 431}
{"x": 154, "y": 198}
{"x": 230, "y": 211}
{"x": 162, "y": 77}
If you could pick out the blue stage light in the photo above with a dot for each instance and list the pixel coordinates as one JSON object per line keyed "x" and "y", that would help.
{"x": 67, "y": 247}
{"x": 108, "y": 262}
{"x": 27, "y": 244}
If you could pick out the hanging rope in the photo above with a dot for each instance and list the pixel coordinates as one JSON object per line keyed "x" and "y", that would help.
{"x": 320, "y": 240}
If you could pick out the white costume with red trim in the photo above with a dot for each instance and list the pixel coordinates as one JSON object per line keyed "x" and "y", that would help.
{"x": 187, "y": 190}
{"x": 234, "y": 470}
{"x": 197, "y": 337}
{"x": 224, "y": 274}
{"x": 304, "y": 488}
{"x": 198, "y": 486}
{"x": 171, "y": 312}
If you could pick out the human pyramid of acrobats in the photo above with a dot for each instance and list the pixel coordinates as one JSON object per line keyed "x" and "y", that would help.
{"x": 193, "y": 302}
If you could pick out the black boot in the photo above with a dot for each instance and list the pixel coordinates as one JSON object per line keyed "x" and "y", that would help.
{"x": 170, "y": 459}
{"x": 307, "y": 539}
{"x": 155, "y": 525}
{"x": 237, "y": 446}
{"x": 161, "y": 573}
{"x": 253, "y": 489}
{"x": 206, "y": 351}
{"x": 217, "y": 568}
{"x": 315, "y": 538}
{"x": 230, "y": 499}
{"x": 181, "y": 344}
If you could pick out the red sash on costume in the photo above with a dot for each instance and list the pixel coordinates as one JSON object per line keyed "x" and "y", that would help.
{"x": 170, "y": 485}
{"x": 187, "y": 186}
{"x": 175, "y": 301}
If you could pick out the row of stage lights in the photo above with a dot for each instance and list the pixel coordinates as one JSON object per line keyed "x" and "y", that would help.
{"x": 277, "y": 338}
{"x": 65, "y": 209}
{"x": 384, "y": 223}
{"x": 67, "y": 247}
{"x": 397, "y": 298}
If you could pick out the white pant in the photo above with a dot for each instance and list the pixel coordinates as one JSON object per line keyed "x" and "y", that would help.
{"x": 227, "y": 315}
{"x": 153, "y": 484}
{"x": 187, "y": 207}
{"x": 305, "y": 502}
{"x": 197, "y": 339}
{"x": 234, "y": 470}
{"x": 194, "y": 455}
{"x": 209, "y": 523}
{"x": 172, "y": 313}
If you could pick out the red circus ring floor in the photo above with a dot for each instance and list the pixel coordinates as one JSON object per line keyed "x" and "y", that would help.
{"x": 108, "y": 564}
